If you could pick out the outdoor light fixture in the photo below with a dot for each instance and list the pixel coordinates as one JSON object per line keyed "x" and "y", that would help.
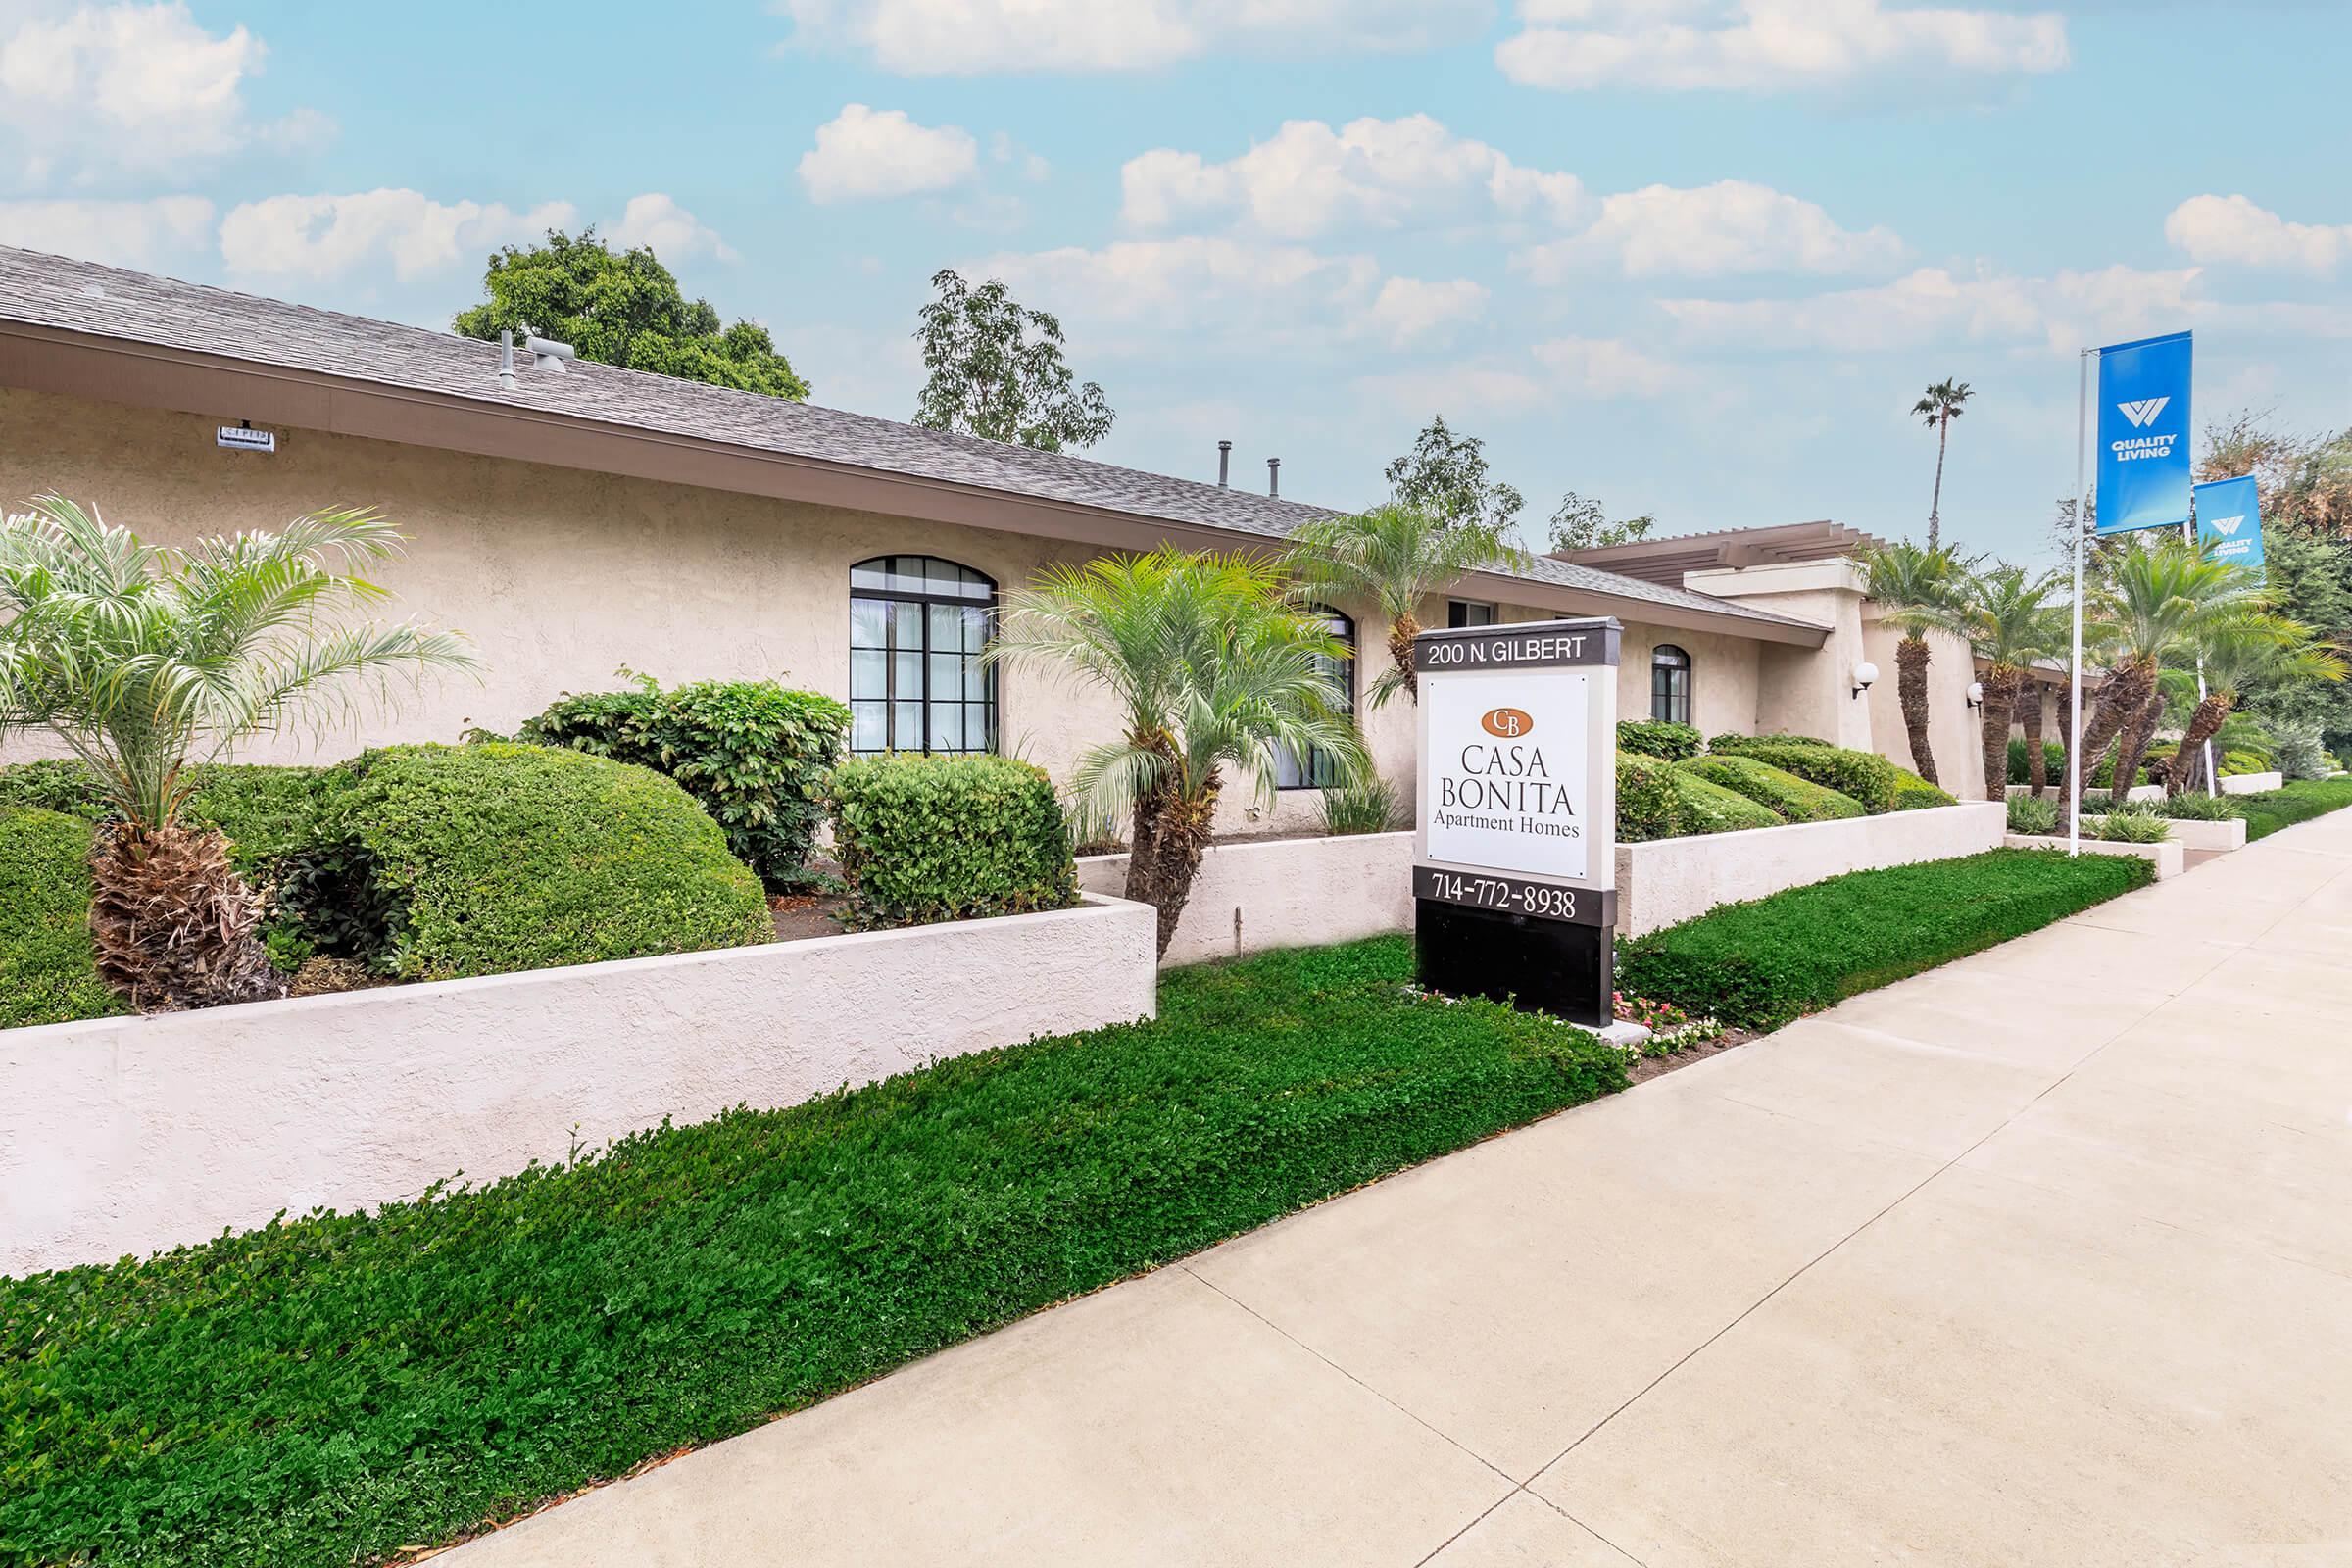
{"x": 1865, "y": 675}
{"x": 1976, "y": 694}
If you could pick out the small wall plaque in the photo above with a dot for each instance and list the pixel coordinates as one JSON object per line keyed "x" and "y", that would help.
{"x": 245, "y": 438}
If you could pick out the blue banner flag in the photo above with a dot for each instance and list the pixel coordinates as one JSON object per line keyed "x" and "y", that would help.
{"x": 2143, "y": 434}
{"x": 2230, "y": 520}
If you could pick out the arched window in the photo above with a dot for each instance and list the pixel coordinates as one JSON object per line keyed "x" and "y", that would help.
{"x": 1669, "y": 684}
{"x": 916, "y": 684}
{"x": 1319, "y": 768}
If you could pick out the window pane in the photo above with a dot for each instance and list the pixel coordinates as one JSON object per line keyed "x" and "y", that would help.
{"x": 906, "y": 573}
{"x": 1287, "y": 774}
{"x": 869, "y": 623}
{"x": 947, "y": 677}
{"x": 975, "y": 681}
{"x": 947, "y": 628}
{"x": 907, "y": 625}
{"x": 870, "y": 672}
{"x": 907, "y": 726}
{"x": 869, "y": 730}
{"x": 975, "y": 630}
{"x": 874, "y": 573}
{"x": 942, "y": 576}
{"x": 946, "y": 726}
{"x": 908, "y": 669}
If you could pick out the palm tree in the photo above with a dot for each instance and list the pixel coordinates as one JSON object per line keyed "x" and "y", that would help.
{"x": 1918, "y": 591}
{"x": 144, "y": 662}
{"x": 1214, "y": 667}
{"x": 1939, "y": 407}
{"x": 1393, "y": 558}
{"x": 2266, "y": 649}
{"x": 2151, "y": 601}
{"x": 2009, "y": 620}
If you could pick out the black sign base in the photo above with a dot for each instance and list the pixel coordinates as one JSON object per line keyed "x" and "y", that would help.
{"x": 1537, "y": 966}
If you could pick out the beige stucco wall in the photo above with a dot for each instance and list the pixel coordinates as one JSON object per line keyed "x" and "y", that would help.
{"x": 121, "y": 1135}
{"x": 1282, "y": 893}
{"x": 1955, "y": 733}
{"x": 1804, "y": 691}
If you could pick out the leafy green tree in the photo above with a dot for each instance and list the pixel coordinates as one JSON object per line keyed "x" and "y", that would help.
{"x": 1213, "y": 666}
{"x": 144, "y": 662}
{"x": 997, "y": 372}
{"x": 623, "y": 308}
{"x": 1939, "y": 406}
{"x": 1580, "y": 524}
{"x": 1393, "y": 558}
{"x": 1444, "y": 476}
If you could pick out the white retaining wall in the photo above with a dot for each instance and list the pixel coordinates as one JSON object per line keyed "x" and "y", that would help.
{"x": 2197, "y": 835}
{"x": 1665, "y": 881}
{"x": 2167, "y": 857}
{"x": 1282, "y": 893}
{"x": 125, "y": 1135}
{"x": 2252, "y": 783}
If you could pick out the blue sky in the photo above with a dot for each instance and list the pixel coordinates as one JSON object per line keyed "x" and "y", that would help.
{"x": 1694, "y": 257}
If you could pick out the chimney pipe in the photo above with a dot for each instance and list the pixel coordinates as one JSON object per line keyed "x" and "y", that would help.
{"x": 1273, "y": 476}
{"x": 1224, "y": 462}
{"x": 505, "y": 360}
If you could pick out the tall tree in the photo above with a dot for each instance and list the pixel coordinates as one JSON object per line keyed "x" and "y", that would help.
{"x": 1580, "y": 524}
{"x": 1939, "y": 407}
{"x": 997, "y": 372}
{"x": 1391, "y": 557}
{"x": 1213, "y": 666}
{"x": 2239, "y": 656}
{"x": 1445, "y": 477}
{"x": 2157, "y": 599}
{"x": 144, "y": 662}
{"x": 1917, "y": 591}
{"x": 623, "y": 308}
{"x": 2010, "y": 618}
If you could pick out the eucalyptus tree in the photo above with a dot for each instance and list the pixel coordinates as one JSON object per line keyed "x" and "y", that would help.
{"x": 1390, "y": 559}
{"x": 2010, "y": 617}
{"x": 1214, "y": 667}
{"x": 144, "y": 662}
{"x": 1918, "y": 590}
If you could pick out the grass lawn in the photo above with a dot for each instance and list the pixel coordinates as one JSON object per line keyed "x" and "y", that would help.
{"x": 2298, "y": 801}
{"x": 327, "y": 1390}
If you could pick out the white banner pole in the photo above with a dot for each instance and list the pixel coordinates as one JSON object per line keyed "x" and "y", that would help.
{"x": 2074, "y": 694}
{"x": 2189, "y": 537}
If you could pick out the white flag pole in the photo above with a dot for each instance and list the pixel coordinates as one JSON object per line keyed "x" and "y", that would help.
{"x": 2189, "y": 537}
{"x": 2073, "y": 690}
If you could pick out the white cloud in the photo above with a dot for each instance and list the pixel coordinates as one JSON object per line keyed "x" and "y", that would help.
{"x": 138, "y": 234}
{"x": 1202, "y": 287}
{"x": 93, "y": 91}
{"x": 1309, "y": 180}
{"x": 1713, "y": 230}
{"x": 1607, "y": 367}
{"x": 1933, "y": 306}
{"x": 327, "y": 236}
{"x": 2232, "y": 230}
{"x": 1407, "y": 309}
{"x": 978, "y": 37}
{"x": 1767, "y": 45}
{"x": 864, "y": 154}
{"x": 1461, "y": 392}
{"x": 653, "y": 220}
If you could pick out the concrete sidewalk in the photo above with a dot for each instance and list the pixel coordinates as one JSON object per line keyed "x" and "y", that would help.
{"x": 2043, "y": 1257}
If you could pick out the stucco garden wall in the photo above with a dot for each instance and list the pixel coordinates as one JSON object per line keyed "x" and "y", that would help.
{"x": 1283, "y": 893}
{"x": 2169, "y": 856}
{"x": 1669, "y": 880}
{"x": 124, "y": 1135}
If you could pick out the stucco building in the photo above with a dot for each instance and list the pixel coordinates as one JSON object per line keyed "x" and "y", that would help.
{"x": 580, "y": 522}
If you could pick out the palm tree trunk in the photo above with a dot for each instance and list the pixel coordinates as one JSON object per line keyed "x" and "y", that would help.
{"x": 2121, "y": 698}
{"x": 1944, "y": 431}
{"x": 1911, "y": 685}
{"x": 2001, "y": 704}
{"x": 2133, "y": 744}
{"x": 1182, "y": 832}
{"x": 174, "y": 923}
{"x": 2037, "y": 761}
{"x": 1401, "y": 632}
{"x": 2188, "y": 763}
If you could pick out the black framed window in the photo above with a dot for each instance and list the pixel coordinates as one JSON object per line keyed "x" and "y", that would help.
{"x": 916, "y": 684}
{"x": 1319, "y": 769}
{"x": 1669, "y": 684}
{"x": 1468, "y": 612}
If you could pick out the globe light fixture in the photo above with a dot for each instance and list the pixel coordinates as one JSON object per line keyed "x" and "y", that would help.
{"x": 1865, "y": 675}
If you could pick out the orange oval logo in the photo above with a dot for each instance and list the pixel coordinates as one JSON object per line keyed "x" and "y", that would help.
{"x": 1508, "y": 722}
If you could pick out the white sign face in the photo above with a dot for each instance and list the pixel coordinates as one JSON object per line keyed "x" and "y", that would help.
{"x": 1509, "y": 769}
{"x": 245, "y": 438}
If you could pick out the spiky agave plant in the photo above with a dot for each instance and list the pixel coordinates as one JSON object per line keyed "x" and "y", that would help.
{"x": 146, "y": 662}
{"x": 1391, "y": 557}
{"x": 1214, "y": 667}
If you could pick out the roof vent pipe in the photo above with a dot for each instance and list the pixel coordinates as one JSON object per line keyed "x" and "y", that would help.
{"x": 506, "y": 359}
{"x": 1273, "y": 476}
{"x": 1224, "y": 464}
{"x": 546, "y": 353}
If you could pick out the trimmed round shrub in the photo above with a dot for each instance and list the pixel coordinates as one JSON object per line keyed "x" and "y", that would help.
{"x": 1863, "y": 776}
{"x": 1653, "y": 737}
{"x": 453, "y": 860}
{"x": 923, "y": 839}
{"x": 1648, "y": 806}
{"x": 1787, "y": 796}
{"x": 1708, "y": 808}
{"x": 1914, "y": 793}
{"x": 48, "y": 964}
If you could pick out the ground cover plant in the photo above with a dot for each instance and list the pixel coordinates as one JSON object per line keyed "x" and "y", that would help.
{"x": 2033, "y": 813}
{"x": 48, "y": 963}
{"x": 2194, "y": 807}
{"x": 1761, "y": 963}
{"x": 2298, "y": 801}
{"x": 333, "y": 1389}
{"x": 1790, "y": 798}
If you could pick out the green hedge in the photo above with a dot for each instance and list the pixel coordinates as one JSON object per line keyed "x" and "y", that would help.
{"x": 485, "y": 860}
{"x": 2053, "y": 761}
{"x": 1759, "y": 964}
{"x": 1789, "y": 797}
{"x": 48, "y": 965}
{"x": 1705, "y": 806}
{"x": 754, "y": 754}
{"x": 1914, "y": 793}
{"x": 1652, "y": 737}
{"x": 2299, "y": 802}
{"x": 1648, "y": 806}
{"x": 948, "y": 838}
{"x": 1864, "y": 776}
{"x": 338, "y": 1388}
{"x": 263, "y": 811}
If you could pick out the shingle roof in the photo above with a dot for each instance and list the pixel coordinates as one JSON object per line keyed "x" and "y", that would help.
{"x": 78, "y": 296}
